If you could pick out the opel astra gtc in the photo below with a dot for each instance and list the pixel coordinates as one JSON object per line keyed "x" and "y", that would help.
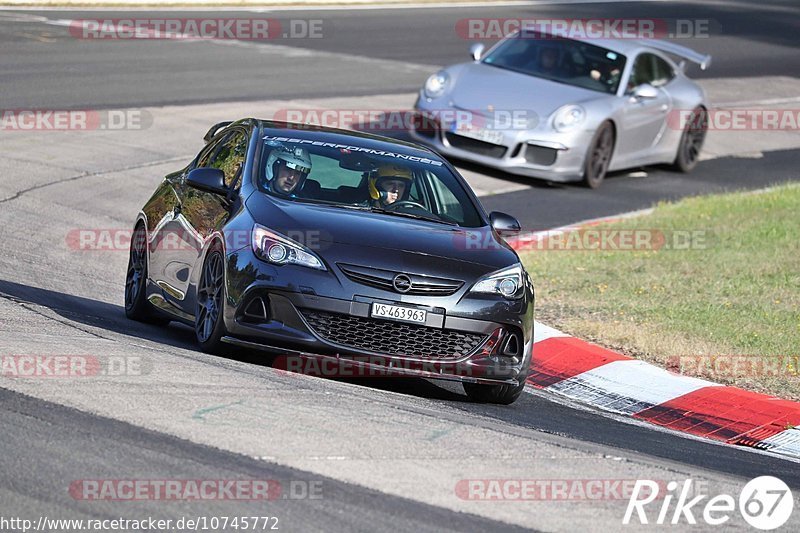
{"x": 337, "y": 245}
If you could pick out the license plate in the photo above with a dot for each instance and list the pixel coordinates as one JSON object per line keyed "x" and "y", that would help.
{"x": 396, "y": 312}
{"x": 481, "y": 134}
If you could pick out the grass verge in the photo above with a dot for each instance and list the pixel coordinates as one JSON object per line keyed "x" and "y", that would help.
{"x": 716, "y": 295}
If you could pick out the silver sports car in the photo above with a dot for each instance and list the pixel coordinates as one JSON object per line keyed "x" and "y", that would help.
{"x": 566, "y": 110}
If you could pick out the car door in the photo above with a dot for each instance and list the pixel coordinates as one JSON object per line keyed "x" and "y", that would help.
{"x": 179, "y": 237}
{"x": 643, "y": 119}
{"x": 204, "y": 213}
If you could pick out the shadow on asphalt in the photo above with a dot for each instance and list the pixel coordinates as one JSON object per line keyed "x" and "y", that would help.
{"x": 111, "y": 317}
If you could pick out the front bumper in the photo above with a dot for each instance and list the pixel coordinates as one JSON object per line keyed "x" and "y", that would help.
{"x": 346, "y": 341}
{"x": 538, "y": 153}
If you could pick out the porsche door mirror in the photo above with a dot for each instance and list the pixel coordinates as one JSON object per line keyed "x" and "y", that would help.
{"x": 644, "y": 91}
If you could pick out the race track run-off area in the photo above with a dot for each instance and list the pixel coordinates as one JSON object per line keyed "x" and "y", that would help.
{"x": 367, "y": 454}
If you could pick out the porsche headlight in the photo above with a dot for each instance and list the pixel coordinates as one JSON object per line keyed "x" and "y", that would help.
{"x": 506, "y": 282}
{"x": 568, "y": 117}
{"x": 279, "y": 250}
{"x": 436, "y": 84}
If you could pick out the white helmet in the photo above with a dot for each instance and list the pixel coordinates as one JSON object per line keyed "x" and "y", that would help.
{"x": 296, "y": 158}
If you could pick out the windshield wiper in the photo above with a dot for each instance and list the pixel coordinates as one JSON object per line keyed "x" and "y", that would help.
{"x": 410, "y": 215}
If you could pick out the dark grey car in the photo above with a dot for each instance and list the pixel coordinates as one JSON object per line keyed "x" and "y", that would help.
{"x": 335, "y": 246}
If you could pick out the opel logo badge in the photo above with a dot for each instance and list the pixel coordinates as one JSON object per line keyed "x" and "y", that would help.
{"x": 401, "y": 283}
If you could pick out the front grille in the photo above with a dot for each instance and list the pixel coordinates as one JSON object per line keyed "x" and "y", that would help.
{"x": 474, "y": 145}
{"x": 382, "y": 279}
{"x": 540, "y": 155}
{"x": 392, "y": 338}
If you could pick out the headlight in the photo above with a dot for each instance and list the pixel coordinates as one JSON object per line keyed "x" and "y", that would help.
{"x": 568, "y": 117}
{"x": 436, "y": 84}
{"x": 279, "y": 250}
{"x": 506, "y": 282}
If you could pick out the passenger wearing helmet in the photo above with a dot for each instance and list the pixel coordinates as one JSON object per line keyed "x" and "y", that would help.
{"x": 389, "y": 184}
{"x": 287, "y": 169}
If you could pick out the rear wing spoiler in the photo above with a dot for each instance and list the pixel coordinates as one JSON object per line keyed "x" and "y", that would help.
{"x": 704, "y": 60}
{"x": 214, "y": 129}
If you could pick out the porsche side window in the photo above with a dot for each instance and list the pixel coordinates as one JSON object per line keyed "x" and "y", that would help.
{"x": 642, "y": 71}
{"x": 663, "y": 72}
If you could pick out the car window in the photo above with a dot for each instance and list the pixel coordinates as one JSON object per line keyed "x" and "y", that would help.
{"x": 360, "y": 177}
{"x": 662, "y": 72}
{"x": 446, "y": 202}
{"x": 649, "y": 68}
{"x": 642, "y": 71}
{"x": 227, "y": 154}
{"x": 567, "y": 61}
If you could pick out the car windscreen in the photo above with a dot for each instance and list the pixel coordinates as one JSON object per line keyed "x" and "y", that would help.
{"x": 355, "y": 177}
{"x": 562, "y": 60}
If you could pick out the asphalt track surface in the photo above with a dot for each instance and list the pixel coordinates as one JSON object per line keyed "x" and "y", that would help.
{"x": 123, "y": 429}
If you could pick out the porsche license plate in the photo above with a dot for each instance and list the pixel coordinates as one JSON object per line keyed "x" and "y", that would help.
{"x": 480, "y": 134}
{"x": 396, "y": 312}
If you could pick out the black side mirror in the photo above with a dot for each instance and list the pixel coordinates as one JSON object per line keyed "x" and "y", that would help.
{"x": 504, "y": 224}
{"x": 207, "y": 179}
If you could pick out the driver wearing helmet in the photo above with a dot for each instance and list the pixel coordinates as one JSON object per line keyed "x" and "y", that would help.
{"x": 389, "y": 184}
{"x": 287, "y": 170}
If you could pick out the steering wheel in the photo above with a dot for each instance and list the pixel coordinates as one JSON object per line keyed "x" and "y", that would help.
{"x": 402, "y": 203}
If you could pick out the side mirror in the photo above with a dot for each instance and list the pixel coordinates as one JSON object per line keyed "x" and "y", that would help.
{"x": 207, "y": 179}
{"x": 644, "y": 91}
{"x": 476, "y": 51}
{"x": 504, "y": 224}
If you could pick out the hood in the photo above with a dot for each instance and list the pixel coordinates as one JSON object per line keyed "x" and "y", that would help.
{"x": 477, "y": 86}
{"x": 379, "y": 239}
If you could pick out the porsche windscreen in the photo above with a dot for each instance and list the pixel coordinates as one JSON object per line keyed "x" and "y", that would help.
{"x": 356, "y": 177}
{"x": 562, "y": 60}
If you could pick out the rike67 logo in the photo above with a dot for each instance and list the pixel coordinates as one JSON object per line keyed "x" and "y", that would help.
{"x": 765, "y": 503}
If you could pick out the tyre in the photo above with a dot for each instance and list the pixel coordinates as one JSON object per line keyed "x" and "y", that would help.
{"x": 501, "y": 394}
{"x": 692, "y": 139}
{"x": 598, "y": 158}
{"x": 136, "y": 305}
{"x": 209, "y": 324}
